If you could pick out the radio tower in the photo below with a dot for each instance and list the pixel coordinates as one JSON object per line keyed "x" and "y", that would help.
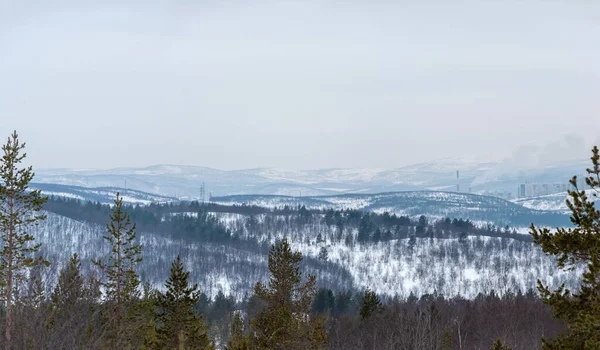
{"x": 201, "y": 199}
{"x": 457, "y": 181}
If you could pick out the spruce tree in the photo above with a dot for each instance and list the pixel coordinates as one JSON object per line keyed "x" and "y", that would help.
{"x": 73, "y": 302}
{"x": 145, "y": 312}
{"x": 370, "y": 304}
{"x": 179, "y": 327}
{"x": 35, "y": 295}
{"x": 70, "y": 288}
{"x": 579, "y": 245}
{"x": 285, "y": 322}
{"x": 19, "y": 211}
{"x": 121, "y": 280}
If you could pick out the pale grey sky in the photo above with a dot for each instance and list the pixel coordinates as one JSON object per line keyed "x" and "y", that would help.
{"x": 307, "y": 84}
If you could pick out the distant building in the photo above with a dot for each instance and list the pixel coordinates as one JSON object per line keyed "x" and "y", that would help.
{"x": 535, "y": 190}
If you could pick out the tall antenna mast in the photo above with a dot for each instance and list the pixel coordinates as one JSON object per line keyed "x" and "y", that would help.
{"x": 201, "y": 198}
{"x": 457, "y": 181}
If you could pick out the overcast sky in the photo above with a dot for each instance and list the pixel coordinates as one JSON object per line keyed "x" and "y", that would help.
{"x": 298, "y": 85}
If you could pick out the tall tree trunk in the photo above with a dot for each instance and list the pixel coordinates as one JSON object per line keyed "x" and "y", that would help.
{"x": 9, "y": 278}
{"x": 9, "y": 320}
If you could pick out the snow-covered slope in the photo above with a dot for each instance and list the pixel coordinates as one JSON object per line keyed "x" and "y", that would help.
{"x": 553, "y": 202}
{"x": 434, "y": 204}
{"x": 105, "y": 195}
{"x": 396, "y": 267}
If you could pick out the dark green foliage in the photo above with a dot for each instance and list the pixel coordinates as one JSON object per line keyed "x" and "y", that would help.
{"x": 573, "y": 246}
{"x": 154, "y": 218}
{"x": 446, "y": 340}
{"x": 121, "y": 280}
{"x": 35, "y": 295}
{"x": 344, "y": 303}
{"x": 179, "y": 327}
{"x": 70, "y": 289}
{"x": 370, "y": 304}
{"x": 237, "y": 339}
{"x": 499, "y": 345}
{"x": 365, "y": 228}
{"x": 324, "y": 302}
{"x": 219, "y": 314}
{"x": 284, "y": 323}
{"x": 19, "y": 211}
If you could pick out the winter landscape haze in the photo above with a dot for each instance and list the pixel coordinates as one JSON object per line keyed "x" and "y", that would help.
{"x": 248, "y": 175}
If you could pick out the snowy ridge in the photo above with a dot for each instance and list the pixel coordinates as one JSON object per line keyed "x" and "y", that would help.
{"x": 553, "y": 202}
{"x": 434, "y": 204}
{"x": 105, "y": 195}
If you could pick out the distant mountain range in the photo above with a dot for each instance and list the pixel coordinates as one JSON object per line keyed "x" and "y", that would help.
{"x": 476, "y": 176}
{"x": 546, "y": 211}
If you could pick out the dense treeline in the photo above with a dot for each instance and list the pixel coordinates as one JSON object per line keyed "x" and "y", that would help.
{"x": 427, "y": 323}
{"x": 191, "y": 220}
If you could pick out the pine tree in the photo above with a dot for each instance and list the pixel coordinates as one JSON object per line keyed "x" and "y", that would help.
{"x": 122, "y": 282}
{"x": 237, "y": 340}
{"x": 284, "y": 324}
{"x": 499, "y": 345}
{"x": 318, "y": 335}
{"x": 370, "y": 304}
{"x": 573, "y": 246}
{"x": 19, "y": 211}
{"x": 179, "y": 326}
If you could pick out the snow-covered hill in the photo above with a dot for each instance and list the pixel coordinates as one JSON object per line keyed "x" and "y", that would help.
{"x": 477, "y": 174}
{"x": 553, "y": 202}
{"x": 434, "y": 204}
{"x": 397, "y": 267}
{"x": 105, "y": 195}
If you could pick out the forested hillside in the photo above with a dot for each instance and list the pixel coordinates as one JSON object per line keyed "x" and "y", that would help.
{"x": 226, "y": 247}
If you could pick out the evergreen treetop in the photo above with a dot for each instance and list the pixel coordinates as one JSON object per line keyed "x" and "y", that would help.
{"x": 579, "y": 245}
{"x": 370, "y": 304}
{"x": 178, "y": 324}
{"x": 20, "y": 209}
{"x": 285, "y": 323}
